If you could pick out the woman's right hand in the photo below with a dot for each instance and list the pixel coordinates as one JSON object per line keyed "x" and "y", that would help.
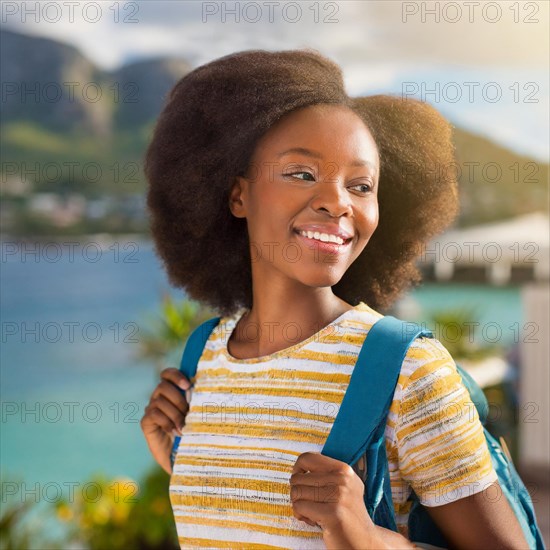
{"x": 165, "y": 414}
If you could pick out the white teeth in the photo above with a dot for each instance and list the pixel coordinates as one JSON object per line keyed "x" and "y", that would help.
{"x": 323, "y": 237}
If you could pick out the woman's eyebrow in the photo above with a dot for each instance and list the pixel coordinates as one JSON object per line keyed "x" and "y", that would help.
{"x": 301, "y": 151}
{"x": 316, "y": 155}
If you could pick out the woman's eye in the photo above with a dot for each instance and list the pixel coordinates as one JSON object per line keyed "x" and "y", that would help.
{"x": 296, "y": 173}
{"x": 366, "y": 188}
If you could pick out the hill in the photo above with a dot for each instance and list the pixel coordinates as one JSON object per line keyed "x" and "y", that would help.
{"x": 69, "y": 127}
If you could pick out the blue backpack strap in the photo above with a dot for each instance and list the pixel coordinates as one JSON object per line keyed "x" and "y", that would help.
{"x": 476, "y": 394}
{"x": 370, "y": 391}
{"x": 189, "y": 361}
{"x": 195, "y": 346}
{"x": 360, "y": 423}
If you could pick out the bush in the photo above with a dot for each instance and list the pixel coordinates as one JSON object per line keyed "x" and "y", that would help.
{"x": 122, "y": 514}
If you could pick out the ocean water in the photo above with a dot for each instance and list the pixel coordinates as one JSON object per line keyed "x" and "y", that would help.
{"x": 72, "y": 387}
{"x": 70, "y": 376}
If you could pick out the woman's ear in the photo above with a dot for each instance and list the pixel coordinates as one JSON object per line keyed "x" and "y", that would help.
{"x": 236, "y": 196}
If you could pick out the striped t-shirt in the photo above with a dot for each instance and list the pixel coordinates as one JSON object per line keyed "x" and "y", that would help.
{"x": 250, "y": 419}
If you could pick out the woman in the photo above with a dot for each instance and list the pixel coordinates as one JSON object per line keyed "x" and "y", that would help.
{"x": 298, "y": 212}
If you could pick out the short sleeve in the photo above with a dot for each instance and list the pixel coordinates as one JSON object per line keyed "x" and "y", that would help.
{"x": 441, "y": 446}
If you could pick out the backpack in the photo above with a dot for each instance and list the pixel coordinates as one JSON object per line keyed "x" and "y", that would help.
{"x": 359, "y": 440}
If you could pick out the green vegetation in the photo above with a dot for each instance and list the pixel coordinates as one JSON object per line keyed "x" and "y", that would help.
{"x": 166, "y": 334}
{"x": 456, "y": 330}
{"x": 22, "y": 522}
{"x": 76, "y": 162}
{"x": 117, "y": 514}
{"x": 126, "y": 515}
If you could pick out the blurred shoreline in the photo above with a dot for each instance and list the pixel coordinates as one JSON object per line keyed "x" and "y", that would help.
{"x": 102, "y": 239}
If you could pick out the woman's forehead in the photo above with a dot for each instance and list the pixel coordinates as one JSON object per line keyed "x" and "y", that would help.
{"x": 320, "y": 134}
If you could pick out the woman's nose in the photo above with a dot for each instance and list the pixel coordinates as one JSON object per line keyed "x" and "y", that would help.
{"x": 333, "y": 197}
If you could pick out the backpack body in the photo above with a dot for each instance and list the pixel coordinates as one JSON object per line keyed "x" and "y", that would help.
{"x": 360, "y": 437}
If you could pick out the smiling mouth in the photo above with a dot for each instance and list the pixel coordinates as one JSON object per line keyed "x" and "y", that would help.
{"x": 325, "y": 246}
{"x": 321, "y": 241}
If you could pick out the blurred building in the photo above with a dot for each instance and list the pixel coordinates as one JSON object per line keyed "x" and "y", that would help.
{"x": 510, "y": 251}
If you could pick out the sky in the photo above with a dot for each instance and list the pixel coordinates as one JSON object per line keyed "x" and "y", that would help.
{"x": 483, "y": 64}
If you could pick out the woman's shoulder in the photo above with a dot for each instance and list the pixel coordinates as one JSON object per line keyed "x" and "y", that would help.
{"x": 429, "y": 387}
{"x": 425, "y": 354}
{"x": 428, "y": 380}
{"x": 428, "y": 363}
{"x": 428, "y": 367}
{"x": 225, "y": 325}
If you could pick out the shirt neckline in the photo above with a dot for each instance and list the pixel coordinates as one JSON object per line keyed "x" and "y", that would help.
{"x": 231, "y": 324}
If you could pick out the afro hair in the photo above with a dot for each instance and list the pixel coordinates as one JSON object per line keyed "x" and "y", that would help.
{"x": 206, "y": 135}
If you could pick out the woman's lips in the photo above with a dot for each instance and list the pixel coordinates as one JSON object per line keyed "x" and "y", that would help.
{"x": 328, "y": 247}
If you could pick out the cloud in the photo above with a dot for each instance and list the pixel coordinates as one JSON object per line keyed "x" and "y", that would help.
{"x": 379, "y": 44}
{"x": 396, "y": 31}
{"x": 496, "y": 33}
{"x": 467, "y": 95}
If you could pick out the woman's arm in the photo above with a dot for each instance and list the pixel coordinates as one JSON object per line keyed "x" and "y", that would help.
{"x": 443, "y": 455}
{"x": 483, "y": 520}
{"x": 479, "y": 521}
{"x": 387, "y": 539}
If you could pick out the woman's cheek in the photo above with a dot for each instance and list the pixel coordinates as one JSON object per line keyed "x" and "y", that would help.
{"x": 372, "y": 216}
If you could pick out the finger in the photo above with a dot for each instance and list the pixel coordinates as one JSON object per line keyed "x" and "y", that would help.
{"x": 176, "y": 377}
{"x": 317, "y": 462}
{"x": 154, "y": 419}
{"x": 325, "y": 493}
{"x": 316, "y": 478}
{"x": 167, "y": 408}
{"x": 170, "y": 392}
{"x": 313, "y": 513}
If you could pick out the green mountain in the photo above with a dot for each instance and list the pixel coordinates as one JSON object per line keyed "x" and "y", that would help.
{"x": 70, "y": 127}
{"x": 496, "y": 183}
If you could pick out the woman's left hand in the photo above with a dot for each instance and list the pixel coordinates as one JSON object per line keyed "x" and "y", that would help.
{"x": 328, "y": 493}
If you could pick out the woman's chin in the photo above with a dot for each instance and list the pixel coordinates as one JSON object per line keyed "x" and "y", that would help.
{"x": 321, "y": 279}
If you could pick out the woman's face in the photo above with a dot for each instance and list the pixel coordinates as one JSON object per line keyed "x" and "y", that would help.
{"x": 313, "y": 177}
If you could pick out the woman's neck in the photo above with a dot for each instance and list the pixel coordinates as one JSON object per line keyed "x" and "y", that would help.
{"x": 273, "y": 325}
